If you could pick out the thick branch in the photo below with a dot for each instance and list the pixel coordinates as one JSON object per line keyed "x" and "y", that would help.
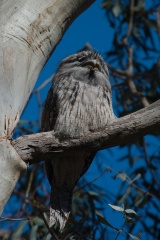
{"x": 45, "y": 145}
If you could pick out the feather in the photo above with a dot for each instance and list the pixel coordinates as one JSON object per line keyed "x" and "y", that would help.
{"x": 79, "y": 101}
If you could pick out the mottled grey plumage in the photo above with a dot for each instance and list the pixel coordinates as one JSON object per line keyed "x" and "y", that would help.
{"x": 79, "y": 101}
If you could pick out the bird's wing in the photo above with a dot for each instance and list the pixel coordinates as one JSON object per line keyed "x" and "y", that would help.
{"x": 49, "y": 117}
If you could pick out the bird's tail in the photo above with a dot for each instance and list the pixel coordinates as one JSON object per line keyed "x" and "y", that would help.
{"x": 60, "y": 207}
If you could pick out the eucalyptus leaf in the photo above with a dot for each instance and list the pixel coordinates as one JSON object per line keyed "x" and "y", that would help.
{"x": 104, "y": 221}
{"x": 131, "y": 236}
{"x": 33, "y": 235}
{"x": 130, "y": 211}
{"x": 116, "y": 9}
{"x": 18, "y": 232}
{"x": 117, "y": 208}
{"x": 137, "y": 177}
{"x": 122, "y": 175}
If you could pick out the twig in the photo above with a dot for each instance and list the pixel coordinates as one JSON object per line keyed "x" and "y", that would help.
{"x": 148, "y": 163}
{"x": 130, "y": 24}
{"x": 104, "y": 172}
{"x": 119, "y": 71}
{"x": 28, "y": 187}
{"x": 129, "y": 181}
{"x": 3, "y": 219}
{"x": 43, "y": 84}
{"x": 118, "y": 84}
{"x": 158, "y": 21}
{"x": 131, "y": 83}
{"x": 129, "y": 49}
{"x": 121, "y": 229}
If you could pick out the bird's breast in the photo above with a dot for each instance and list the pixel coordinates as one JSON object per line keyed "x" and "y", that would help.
{"x": 82, "y": 108}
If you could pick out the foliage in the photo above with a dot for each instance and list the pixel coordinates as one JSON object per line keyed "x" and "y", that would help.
{"x": 135, "y": 71}
{"x": 134, "y": 65}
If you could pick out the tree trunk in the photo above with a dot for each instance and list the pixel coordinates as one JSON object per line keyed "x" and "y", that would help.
{"x": 29, "y": 32}
{"x": 11, "y": 168}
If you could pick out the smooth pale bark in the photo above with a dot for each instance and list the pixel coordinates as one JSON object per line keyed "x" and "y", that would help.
{"x": 12, "y": 167}
{"x": 42, "y": 146}
{"x": 29, "y": 32}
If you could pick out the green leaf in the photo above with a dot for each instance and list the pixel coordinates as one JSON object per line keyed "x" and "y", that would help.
{"x": 130, "y": 211}
{"x": 104, "y": 221}
{"x": 33, "y": 234}
{"x": 18, "y": 232}
{"x": 117, "y": 208}
{"x": 133, "y": 237}
{"x": 49, "y": 237}
{"x": 107, "y": 4}
{"x": 152, "y": 24}
{"x": 116, "y": 10}
{"x": 122, "y": 175}
{"x": 141, "y": 202}
{"x": 137, "y": 177}
{"x": 92, "y": 193}
{"x": 126, "y": 194}
{"x": 38, "y": 221}
{"x": 139, "y": 6}
{"x": 136, "y": 32}
{"x": 129, "y": 219}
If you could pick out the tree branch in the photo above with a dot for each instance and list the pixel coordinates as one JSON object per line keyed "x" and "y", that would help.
{"x": 42, "y": 146}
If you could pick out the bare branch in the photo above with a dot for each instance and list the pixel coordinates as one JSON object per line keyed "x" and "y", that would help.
{"x": 130, "y": 24}
{"x": 48, "y": 80}
{"x": 118, "y": 71}
{"x": 3, "y": 219}
{"x": 158, "y": 21}
{"x": 130, "y": 81}
{"x": 42, "y": 146}
{"x": 149, "y": 164}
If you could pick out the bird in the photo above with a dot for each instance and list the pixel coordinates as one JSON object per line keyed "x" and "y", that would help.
{"x": 79, "y": 102}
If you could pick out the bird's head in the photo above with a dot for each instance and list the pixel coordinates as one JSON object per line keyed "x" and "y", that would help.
{"x": 86, "y": 66}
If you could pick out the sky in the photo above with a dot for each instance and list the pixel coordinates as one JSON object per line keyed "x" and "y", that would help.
{"x": 90, "y": 27}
